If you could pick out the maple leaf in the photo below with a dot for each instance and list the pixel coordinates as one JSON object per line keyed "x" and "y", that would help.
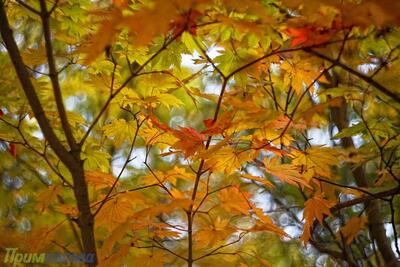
{"x": 310, "y": 35}
{"x": 287, "y": 173}
{"x": 316, "y": 161}
{"x": 225, "y": 158}
{"x": 120, "y": 131}
{"x": 163, "y": 208}
{"x": 114, "y": 212}
{"x": 265, "y": 223}
{"x": 47, "y": 197}
{"x": 259, "y": 179}
{"x": 301, "y": 73}
{"x": 116, "y": 258}
{"x": 190, "y": 141}
{"x": 99, "y": 179}
{"x": 218, "y": 127}
{"x": 239, "y": 206}
{"x": 315, "y": 208}
{"x": 67, "y": 209}
{"x": 104, "y": 37}
{"x": 150, "y": 22}
{"x": 154, "y": 258}
{"x": 352, "y": 227}
{"x": 186, "y": 22}
{"x": 39, "y": 238}
{"x": 215, "y": 233}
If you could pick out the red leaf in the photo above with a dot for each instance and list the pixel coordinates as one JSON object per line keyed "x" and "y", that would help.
{"x": 208, "y": 123}
{"x": 219, "y": 126}
{"x": 159, "y": 125}
{"x": 13, "y": 150}
{"x": 313, "y": 34}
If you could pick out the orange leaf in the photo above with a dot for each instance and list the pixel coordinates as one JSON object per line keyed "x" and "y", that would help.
{"x": 239, "y": 206}
{"x": 259, "y": 179}
{"x": 104, "y": 37}
{"x": 190, "y": 141}
{"x": 352, "y": 228}
{"x": 99, "y": 179}
{"x": 311, "y": 35}
{"x": 315, "y": 208}
{"x": 47, "y": 197}
{"x": 287, "y": 173}
{"x": 219, "y": 126}
{"x": 114, "y": 212}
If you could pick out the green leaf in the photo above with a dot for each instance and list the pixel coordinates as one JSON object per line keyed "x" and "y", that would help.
{"x": 351, "y": 131}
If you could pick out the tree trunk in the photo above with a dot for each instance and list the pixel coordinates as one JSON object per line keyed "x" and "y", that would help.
{"x": 85, "y": 220}
{"x": 70, "y": 159}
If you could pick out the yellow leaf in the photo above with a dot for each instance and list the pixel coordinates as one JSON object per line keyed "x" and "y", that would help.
{"x": 316, "y": 161}
{"x": 164, "y": 208}
{"x": 227, "y": 159}
{"x": 152, "y": 258}
{"x": 300, "y": 74}
{"x": 120, "y": 131}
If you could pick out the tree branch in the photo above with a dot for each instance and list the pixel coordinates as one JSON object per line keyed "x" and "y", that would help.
{"x": 53, "y": 73}
{"x": 363, "y": 77}
{"x": 27, "y": 86}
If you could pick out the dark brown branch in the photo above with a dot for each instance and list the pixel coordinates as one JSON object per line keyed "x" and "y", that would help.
{"x": 27, "y": 86}
{"x": 53, "y": 73}
{"x": 22, "y": 3}
{"x": 215, "y": 250}
{"x": 351, "y": 187}
{"x": 358, "y": 74}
